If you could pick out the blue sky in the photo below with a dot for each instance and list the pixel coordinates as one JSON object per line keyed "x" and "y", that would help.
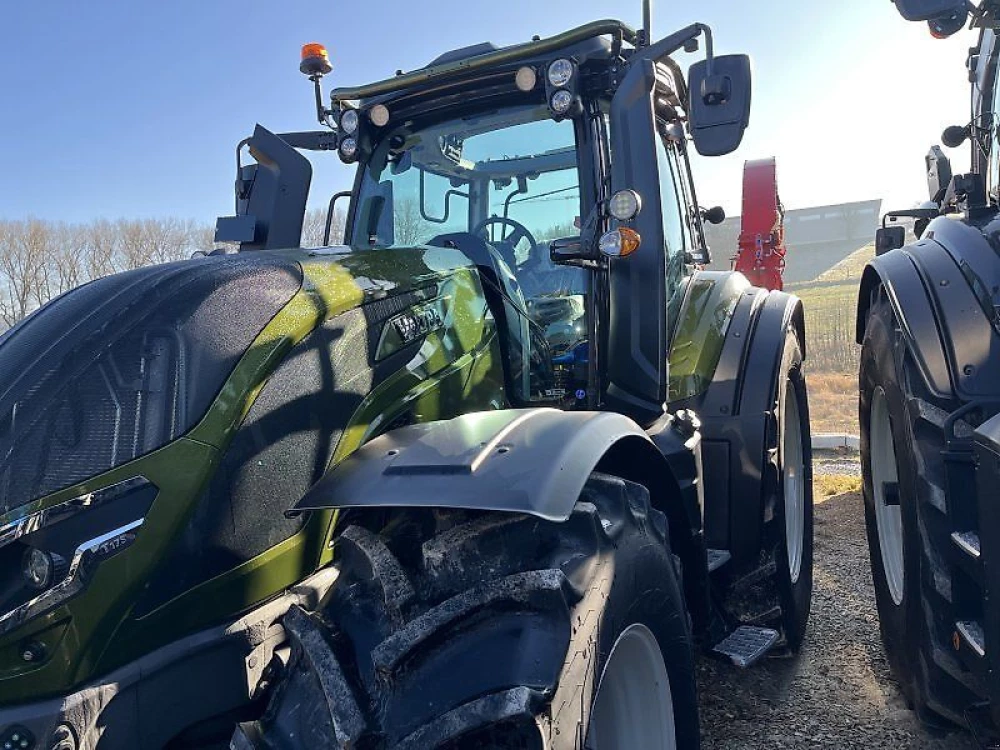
{"x": 134, "y": 108}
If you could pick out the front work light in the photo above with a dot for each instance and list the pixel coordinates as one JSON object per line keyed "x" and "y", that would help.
{"x": 620, "y": 243}
{"x": 560, "y": 73}
{"x": 526, "y": 79}
{"x": 561, "y": 102}
{"x": 625, "y": 205}
{"x": 379, "y": 115}
{"x": 315, "y": 60}
{"x": 348, "y": 149}
{"x": 349, "y": 121}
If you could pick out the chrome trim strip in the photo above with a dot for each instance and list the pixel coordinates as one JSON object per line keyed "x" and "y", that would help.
{"x": 41, "y": 519}
{"x": 86, "y": 560}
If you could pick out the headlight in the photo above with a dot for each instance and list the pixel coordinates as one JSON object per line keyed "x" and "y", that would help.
{"x": 48, "y": 557}
{"x": 349, "y": 121}
{"x": 40, "y": 568}
{"x": 561, "y": 102}
{"x": 560, "y": 73}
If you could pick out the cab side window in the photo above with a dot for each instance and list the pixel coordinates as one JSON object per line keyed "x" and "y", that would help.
{"x": 674, "y": 222}
{"x": 993, "y": 179}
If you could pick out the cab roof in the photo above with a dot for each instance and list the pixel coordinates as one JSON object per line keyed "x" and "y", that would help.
{"x": 454, "y": 65}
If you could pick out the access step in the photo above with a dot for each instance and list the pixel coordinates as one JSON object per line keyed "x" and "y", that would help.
{"x": 746, "y": 645}
{"x": 717, "y": 558}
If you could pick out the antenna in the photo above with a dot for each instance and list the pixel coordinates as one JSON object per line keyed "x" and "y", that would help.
{"x": 647, "y": 22}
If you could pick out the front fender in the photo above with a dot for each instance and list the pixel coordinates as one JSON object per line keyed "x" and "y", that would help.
{"x": 532, "y": 461}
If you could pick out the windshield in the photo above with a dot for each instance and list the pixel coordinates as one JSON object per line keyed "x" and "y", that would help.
{"x": 508, "y": 178}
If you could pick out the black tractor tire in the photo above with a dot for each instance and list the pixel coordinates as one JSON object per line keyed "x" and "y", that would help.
{"x": 770, "y": 594}
{"x": 794, "y": 587}
{"x": 455, "y": 629}
{"x": 917, "y": 629}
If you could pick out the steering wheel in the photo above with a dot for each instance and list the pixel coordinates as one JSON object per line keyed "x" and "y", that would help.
{"x": 507, "y": 244}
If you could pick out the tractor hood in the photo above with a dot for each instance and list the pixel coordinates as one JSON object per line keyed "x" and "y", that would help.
{"x": 121, "y": 366}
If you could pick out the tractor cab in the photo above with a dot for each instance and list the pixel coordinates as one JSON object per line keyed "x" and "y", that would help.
{"x": 559, "y": 167}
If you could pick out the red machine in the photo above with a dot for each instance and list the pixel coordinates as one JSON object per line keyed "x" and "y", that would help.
{"x": 761, "y": 257}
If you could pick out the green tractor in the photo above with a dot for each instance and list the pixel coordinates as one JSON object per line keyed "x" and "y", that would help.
{"x": 489, "y": 474}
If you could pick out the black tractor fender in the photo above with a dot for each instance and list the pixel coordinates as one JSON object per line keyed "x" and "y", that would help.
{"x": 898, "y": 274}
{"x": 941, "y": 290}
{"x": 738, "y": 420}
{"x": 532, "y": 461}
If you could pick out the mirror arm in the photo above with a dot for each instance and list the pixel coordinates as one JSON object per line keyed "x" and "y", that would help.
{"x": 669, "y": 45}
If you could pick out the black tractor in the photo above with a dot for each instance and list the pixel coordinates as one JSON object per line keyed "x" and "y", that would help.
{"x": 929, "y": 325}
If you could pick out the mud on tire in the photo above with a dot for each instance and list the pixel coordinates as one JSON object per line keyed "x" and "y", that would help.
{"x": 453, "y": 629}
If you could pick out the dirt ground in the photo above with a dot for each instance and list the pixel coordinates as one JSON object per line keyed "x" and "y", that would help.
{"x": 837, "y": 693}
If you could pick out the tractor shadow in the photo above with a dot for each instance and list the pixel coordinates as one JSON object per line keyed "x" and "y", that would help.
{"x": 837, "y": 692}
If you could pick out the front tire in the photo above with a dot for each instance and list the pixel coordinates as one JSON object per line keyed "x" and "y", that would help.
{"x": 469, "y": 630}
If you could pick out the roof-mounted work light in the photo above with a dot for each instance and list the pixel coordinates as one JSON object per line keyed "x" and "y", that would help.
{"x": 562, "y": 90}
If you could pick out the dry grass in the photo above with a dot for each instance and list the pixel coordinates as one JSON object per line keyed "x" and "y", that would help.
{"x": 832, "y": 354}
{"x": 850, "y": 268}
{"x": 829, "y": 485}
{"x": 833, "y": 403}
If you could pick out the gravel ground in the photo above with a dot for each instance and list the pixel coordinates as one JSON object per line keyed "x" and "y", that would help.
{"x": 837, "y": 693}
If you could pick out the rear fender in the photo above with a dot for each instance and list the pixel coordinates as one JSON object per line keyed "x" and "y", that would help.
{"x": 898, "y": 274}
{"x": 737, "y": 417}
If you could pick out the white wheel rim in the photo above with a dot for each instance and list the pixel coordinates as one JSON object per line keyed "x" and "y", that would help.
{"x": 793, "y": 467}
{"x": 634, "y": 706}
{"x": 887, "y": 516}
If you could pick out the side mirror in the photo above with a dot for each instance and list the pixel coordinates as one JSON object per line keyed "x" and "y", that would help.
{"x": 719, "y": 108}
{"x": 938, "y": 173}
{"x": 926, "y": 10}
{"x": 715, "y": 215}
{"x": 889, "y": 238}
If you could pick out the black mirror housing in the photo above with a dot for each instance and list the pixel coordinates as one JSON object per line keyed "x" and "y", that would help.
{"x": 889, "y": 238}
{"x": 715, "y": 215}
{"x": 926, "y": 10}
{"x": 719, "y": 108}
{"x": 939, "y": 173}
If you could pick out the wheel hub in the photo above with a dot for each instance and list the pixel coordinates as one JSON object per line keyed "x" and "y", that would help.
{"x": 794, "y": 482}
{"x": 885, "y": 481}
{"x": 634, "y": 706}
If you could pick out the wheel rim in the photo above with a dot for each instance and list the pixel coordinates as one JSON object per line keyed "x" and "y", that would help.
{"x": 634, "y": 706}
{"x": 887, "y": 513}
{"x": 794, "y": 482}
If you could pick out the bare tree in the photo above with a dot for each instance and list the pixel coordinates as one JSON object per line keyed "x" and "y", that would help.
{"x": 25, "y": 246}
{"x": 314, "y": 228}
{"x": 102, "y": 253}
{"x": 408, "y": 224}
{"x": 65, "y": 263}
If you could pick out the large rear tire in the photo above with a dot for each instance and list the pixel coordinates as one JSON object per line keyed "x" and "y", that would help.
{"x": 793, "y": 524}
{"x": 777, "y": 591}
{"x": 482, "y": 630}
{"x": 906, "y": 518}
